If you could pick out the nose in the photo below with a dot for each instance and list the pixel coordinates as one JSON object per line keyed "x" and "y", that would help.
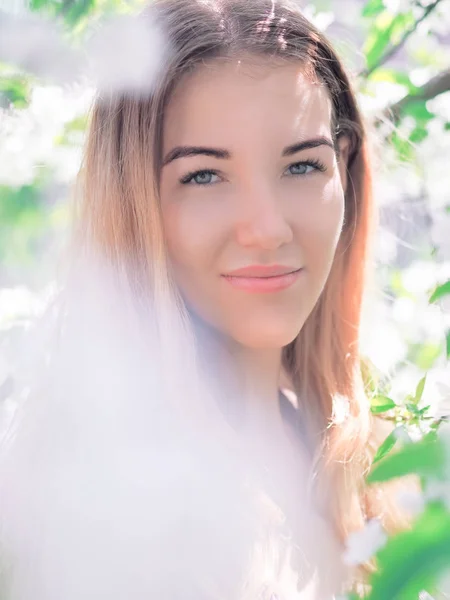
{"x": 261, "y": 221}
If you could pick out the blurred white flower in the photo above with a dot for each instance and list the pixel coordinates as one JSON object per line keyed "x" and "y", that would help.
{"x": 27, "y": 136}
{"x": 416, "y": 432}
{"x": 419, "y": 277}
{"x": 386, "y": 242}
{"x": 441, "y": 225}
{"x": 16, "y": 303}
{"x": 436, "y": 23}
{"x": 38, "y": 46}
{"x": 362, "y": 545}
{"x": 341, "y": 408}
{"x": 382, "y": 343}
{"x": 437, "y": 394}
{"x": 420, "y": 75}
{"x": 322, "y": 20}
{"x": 440, "y": 105}
{"x": 412, "y": 502}
{"x": 397, "y": 6}
{"x": 21, "y": 303}
{"x": 402, "y": 435}
{"x": 403, "y": 309}
{"x": 441, "y": 408}
{"x": 380, "y": 94}
{"x": 127, "y": 54}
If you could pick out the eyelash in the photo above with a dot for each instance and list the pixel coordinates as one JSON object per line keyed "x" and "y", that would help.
{"x": 317, "y": 164}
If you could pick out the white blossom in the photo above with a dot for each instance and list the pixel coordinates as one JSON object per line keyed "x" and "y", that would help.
{"x": 441, "y": 408}
{"x": 402, "y": 435}
{"x": 397, "y": 6}
{"x": 127, "y": 54}
{"x": 411, "y": 502}
{"x": 321, "y": 19}
{"x": 363, "y": 544}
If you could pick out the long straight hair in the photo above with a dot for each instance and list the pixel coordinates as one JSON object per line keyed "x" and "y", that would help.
{"x": 120, "y": 214}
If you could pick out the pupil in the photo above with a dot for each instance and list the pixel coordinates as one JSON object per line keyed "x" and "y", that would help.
{"x": 202, "y": 177}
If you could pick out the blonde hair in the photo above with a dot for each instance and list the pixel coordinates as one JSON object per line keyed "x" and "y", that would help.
{"x": 120, "y": 214}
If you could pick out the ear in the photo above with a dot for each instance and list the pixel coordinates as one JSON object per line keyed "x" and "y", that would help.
{"x": 344, "y": 150}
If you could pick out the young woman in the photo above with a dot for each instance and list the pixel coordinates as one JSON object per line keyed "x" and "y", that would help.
{"x": 234, "y": 200}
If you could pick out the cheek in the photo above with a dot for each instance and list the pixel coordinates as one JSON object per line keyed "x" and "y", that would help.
{"x": 318, "y": 222}
{"x": 194, "y": 233}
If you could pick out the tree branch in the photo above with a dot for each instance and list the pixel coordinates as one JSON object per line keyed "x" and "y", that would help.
{"x": 394, "y": 49}
{"x": 435, "y": 86}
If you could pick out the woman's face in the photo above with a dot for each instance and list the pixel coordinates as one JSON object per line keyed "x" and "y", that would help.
{"x": 238, "y": 190}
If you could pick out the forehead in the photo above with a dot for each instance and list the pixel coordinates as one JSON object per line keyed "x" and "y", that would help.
{"x": 246, "y": 96}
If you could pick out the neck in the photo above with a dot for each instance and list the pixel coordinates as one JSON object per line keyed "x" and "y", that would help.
{"x": 247, "y": 380}
{"x": 259, "y": 378}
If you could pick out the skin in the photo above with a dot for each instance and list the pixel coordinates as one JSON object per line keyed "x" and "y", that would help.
{"x": 259, "y": 207}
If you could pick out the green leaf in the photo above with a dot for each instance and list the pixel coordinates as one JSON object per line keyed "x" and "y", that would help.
{"x": 372, "y": 8}
{"x": 426, "y": 457}
{"x": 419, "y": 390}
{"x": 387, "y": 30}
{"x": 38, "y": 4}
{"x": 424, "y": 354}
{"x": 418, "y": 109}
{"x": 412, "y": 560}
{"x": 72, "y": 11}
{"x": 418, "y": 134}
{"x": 447, "y": 339}
{"x": 374, "y": 382}
{"x": 16, "y": 90}
{"x": 77, "y": 10}
{"x": 15, "y": 202}
{"x": 380, "y": 404}
{"x": 386, "y": 446}
{"x": 440, "y": 291}
{"x": 405, "y": 150}
{"x": 412, "y": 408}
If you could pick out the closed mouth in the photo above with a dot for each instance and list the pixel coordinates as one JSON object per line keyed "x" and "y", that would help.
{"x": 262, "y": 271}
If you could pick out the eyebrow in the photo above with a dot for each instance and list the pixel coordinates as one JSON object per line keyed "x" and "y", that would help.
{"x": 184, "y": 151}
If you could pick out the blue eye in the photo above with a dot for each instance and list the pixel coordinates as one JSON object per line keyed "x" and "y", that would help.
{"x": 205, "y": 176}
{"x": 301, "y": 168}
{"x": 199, "y": 177}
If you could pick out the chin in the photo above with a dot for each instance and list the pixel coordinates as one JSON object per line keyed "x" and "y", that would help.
{"x": 266, "y": 338}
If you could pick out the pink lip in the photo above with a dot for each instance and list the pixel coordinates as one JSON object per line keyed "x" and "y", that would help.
{"x": 260, "y": 278}
{"x": 261, "y": 271}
